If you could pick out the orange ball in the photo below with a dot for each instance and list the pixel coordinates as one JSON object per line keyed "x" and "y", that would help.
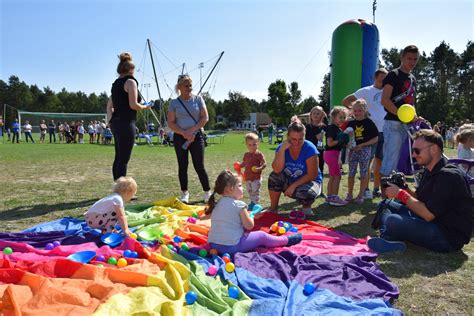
{"x": 213, "y": 252}
{"x": 122, "y": 262}
{"x": 274, "y": 228}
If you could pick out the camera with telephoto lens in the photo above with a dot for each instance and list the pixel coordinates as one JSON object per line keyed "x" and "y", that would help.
{"x": 397, "y": 178}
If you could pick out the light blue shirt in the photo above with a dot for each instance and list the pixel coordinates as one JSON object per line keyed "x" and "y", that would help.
{"x": 194, "y": 106}
{"x": 226, "y": 225}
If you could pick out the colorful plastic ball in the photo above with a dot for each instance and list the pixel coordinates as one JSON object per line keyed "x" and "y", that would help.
{"x": 128, "y": 254}
{"x": 226, "y": 259}
{"x": 406, "y": 113}
{"x": 100, "y": 258}
{"x": 286, "y": 225}
{"x": 184, "y": 246}
{"x": 100, "y": 265}
{"x": 190, "y": 297}
{"x": 212, "y": 270}
{"x": 122, "y": 262}
{"x": 177, "y": 239}
{"x": 195, "y": 215}
{"x": 309, "y": 288}
{"x": 7, "y": 251}
{"x": 225, "y": 254}
{"x": 134, "y": 254}
{"x": 56, "y": 243}
{"x": 213, "y": 252}
{"x": 281, "y": 230}
{"x": 281, "y": 224}
{"x": 191, "y": 220}
{"x": 234, "y": 292}
{"x": 162, "y": 235}
{"x": 49, "y": 246}
{"x": 133, "y": 236}
{"x": 112, "y": 261}
{"x": 203, "y": 253}
{"x": 274, "y": 228}
{"x": 229, "y": 267}
{"x": 293, "y": 229}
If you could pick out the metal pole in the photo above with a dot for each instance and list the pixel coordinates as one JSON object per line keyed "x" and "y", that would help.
{"x": 201, "y": 65}
{"x": 215, "y": 65}
{"x": 4, "y": 121}
{"x": 156, "y": 81}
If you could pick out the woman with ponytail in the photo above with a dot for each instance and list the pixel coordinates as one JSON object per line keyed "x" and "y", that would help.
{"x": 122, "y": 110}
{"x": 295, "y": 170}
{"x": 230, "y": 220}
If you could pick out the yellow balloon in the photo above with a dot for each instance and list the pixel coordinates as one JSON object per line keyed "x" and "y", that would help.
{"x": 406, "y": 113}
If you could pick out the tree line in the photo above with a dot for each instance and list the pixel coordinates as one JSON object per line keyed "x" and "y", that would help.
{"x": 444, "y": 77}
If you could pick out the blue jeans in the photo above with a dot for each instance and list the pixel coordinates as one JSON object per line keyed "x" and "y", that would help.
{"x": 398, "y": 223}
{"x": 28, "y": 135}
{"x": 395, "y": 134}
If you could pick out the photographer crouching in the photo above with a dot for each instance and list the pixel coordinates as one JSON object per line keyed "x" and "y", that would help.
{"x": 437, "y": 216}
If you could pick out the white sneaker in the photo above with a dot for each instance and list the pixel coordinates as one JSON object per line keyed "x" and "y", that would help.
{"x": 207, "y": 196}
{"x": 184, "y": 196}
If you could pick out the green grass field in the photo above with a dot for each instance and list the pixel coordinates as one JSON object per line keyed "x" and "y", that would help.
{"x": 43, "y": 182}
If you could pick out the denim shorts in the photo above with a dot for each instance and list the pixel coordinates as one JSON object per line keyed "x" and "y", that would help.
{"x": 377, "y": 149}
{"x": 395, "y": 133}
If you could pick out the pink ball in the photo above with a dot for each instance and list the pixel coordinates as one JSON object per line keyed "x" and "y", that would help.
{"x": 191, "y": 220}
{"x": 212, "y": 270}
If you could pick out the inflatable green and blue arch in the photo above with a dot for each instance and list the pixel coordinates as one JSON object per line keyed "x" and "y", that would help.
{"x": 354, "y": 58}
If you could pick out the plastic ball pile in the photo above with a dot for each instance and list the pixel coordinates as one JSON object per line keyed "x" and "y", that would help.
{"x": 281, "y": 228}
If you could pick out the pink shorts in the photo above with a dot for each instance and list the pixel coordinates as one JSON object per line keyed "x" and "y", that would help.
{"x": 331, "y": 157}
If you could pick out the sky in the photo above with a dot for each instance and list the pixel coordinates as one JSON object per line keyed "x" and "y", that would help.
{"x": 74, "y": 44}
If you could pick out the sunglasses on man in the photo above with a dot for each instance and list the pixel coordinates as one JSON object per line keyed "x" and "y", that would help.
{"x": 417, "y": 151}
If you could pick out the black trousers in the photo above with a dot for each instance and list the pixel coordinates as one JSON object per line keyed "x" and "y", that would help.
{"x": 197, "y": 154}
{"x": 124, "y": 136}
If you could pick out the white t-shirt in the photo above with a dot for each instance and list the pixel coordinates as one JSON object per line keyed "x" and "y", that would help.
{"x": 27, "y": 128}
{"x": 373, "y": 97}
{"x": 226, "y": 225}
{"x": 106, "y": 205}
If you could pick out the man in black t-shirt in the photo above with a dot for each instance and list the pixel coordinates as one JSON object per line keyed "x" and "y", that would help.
{"x": 438, "y": 216}
{"x": 399, "y": 87}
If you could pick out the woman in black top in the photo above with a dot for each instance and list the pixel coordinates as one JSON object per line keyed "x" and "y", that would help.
{"x": 122, "y": 113}
{"x": 315, "y": 130}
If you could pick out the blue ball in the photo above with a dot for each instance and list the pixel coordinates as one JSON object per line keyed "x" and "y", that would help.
{"x": 128, "y": 254}
{"x": 234, "y": 292}
{"x": 49, "y": 246}
{"x": 293, "y": 229}
{"x": 226, "y": 255}
{"x": 134, "y": 254}
{"x": 177, "y": 239}
{"x": 190, "y": 297}
{"x": 309, "y": 288}
{"x": 56, "y": 243}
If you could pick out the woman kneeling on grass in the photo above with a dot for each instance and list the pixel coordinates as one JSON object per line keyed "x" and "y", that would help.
{"x": 295, "y": 170}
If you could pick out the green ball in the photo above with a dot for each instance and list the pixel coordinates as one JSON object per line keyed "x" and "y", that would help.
{"x": 184, "y": 246}
{"x": 112, "y": 261}
{"x": 100, "y": 265}
{"x": 195, "y": 215}
{"x": 203, "y": 253}
{"x": 170, "y": 247}
{"x": 162, "y": 234}
{"x": 8, "y": 251}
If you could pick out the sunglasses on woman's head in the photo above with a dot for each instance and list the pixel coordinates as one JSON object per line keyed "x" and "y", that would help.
{"x": 417, "y": 151}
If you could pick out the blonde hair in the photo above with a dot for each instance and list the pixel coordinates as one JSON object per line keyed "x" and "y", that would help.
{"x": 336, "y": 110}
{"x": 296, "y": 125}
{"x": 464, "y": 136}
{"x": 251, "y": 136}
{"x": 317, "y": 108}
{"x": 362, "y": 105}
{"x": 224, "y": 179}
{"x": 182, "y": 79}
{"x": 126, "y": 64}
{"x": 123, "y": 185}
